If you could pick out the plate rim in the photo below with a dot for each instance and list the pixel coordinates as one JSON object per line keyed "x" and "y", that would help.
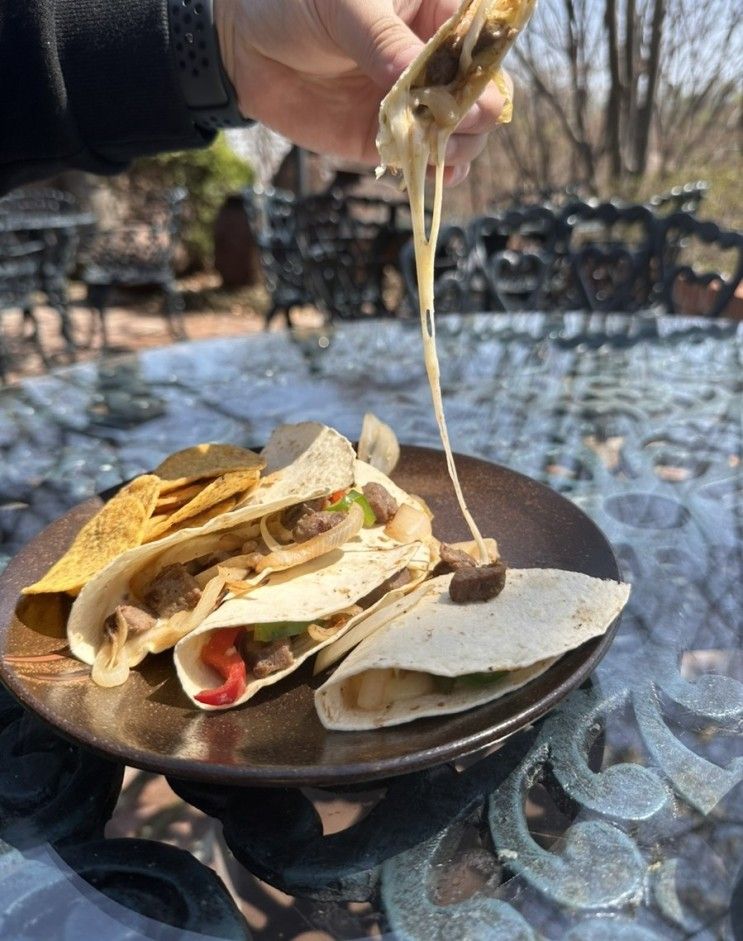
{"x": 316, "y": 775}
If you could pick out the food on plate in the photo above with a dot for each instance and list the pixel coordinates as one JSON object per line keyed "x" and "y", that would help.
{"x": 187, "y": 490}
{"x": 317, "y": 513}
{"x": 425, "y": 655}
{"x": 119, "y": 526}
{"x": 271, "y": 631}
{"x": 416, "y": 120}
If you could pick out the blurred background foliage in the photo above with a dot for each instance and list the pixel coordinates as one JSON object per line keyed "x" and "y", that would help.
{"x": 208, "y": 175}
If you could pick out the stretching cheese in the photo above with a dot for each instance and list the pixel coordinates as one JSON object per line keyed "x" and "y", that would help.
{"x": 416, "y": 120}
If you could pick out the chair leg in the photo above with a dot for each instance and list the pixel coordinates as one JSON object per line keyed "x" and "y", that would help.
{"x": 97, "y": 300}
{"x": 4, "y": 355}
{"x": 174, "y": 307}
{"x": 59, "y": 300}
{"x": 29, "y": 319}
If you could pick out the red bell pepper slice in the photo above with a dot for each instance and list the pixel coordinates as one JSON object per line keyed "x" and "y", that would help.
{"x": 220, "y": 652}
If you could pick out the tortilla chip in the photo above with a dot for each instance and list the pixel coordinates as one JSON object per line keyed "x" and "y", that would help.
{"x": 163, "y": 528}
{"x": 118, "y": 526}
{"x": 167, "y": 502}
{"x": 204, "y": 460}
{"x": 208, "y": 499}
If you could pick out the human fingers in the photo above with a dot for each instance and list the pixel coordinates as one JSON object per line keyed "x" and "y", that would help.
{"x": 374, "y": 36}
{"x": 464, "y": 148}
{"x": 485, "y": 115}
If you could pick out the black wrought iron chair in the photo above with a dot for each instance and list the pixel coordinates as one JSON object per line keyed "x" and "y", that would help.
{"x": 272, "y": 217}
{"x": 329, "y": 250}
{"x": 139, "y": 254}
{"x": 453, "y": 273}
{"x": 20, "y": 273}
{"x": 684, "y": 288}
{"x": 610, "y": 252}
{"x": 54, "y": 218}
{"x": 516, "y": 253}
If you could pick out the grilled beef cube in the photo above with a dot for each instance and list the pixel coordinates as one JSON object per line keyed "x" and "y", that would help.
{"x": 264, "y": 659}
{"x": 489, "y": 36}
{"x": 443, "y": 65}
{"x": 174, "y": 589}
{"x": 138, "y": 620}
{"x": 292, "y": 515}
{"x": 383, "y": 504}
{"x": 312, "y": 524}
{"x": 477, "y": 583}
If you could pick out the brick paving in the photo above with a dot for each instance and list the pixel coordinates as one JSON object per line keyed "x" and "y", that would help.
{"x": 136, "y": 322}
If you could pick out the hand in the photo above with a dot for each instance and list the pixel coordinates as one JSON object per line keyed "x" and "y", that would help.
{"x": 316, "y": 70}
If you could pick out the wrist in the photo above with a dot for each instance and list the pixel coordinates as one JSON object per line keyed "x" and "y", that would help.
{"x": 224, "y": 24}
{"x": 205, "y": 60}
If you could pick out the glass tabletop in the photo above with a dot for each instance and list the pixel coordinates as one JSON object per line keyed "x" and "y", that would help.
{"x": 619, "y": 816}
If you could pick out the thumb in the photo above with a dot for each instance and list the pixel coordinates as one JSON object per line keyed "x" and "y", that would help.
{"x": 380, "y": 43}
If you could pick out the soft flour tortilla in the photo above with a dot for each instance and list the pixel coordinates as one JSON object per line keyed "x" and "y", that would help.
{"x": 310, "y": 592}
{"x": 303, "y": 462}
{"x": 540, "y": 615}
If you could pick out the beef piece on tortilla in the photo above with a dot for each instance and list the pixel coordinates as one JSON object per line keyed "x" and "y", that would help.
{"x": 313, "y": 524}
{"x": 292, "y": 515}
{"x": 383, "y": 504}
{"x": 264, "y": 659}
{"x": 472, "y": 583}
{"x": 172, "y": 590}
{"x": 137, "y": 619}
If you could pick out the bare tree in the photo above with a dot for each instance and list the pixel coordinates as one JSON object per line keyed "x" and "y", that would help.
{"x": 636, "y": 88}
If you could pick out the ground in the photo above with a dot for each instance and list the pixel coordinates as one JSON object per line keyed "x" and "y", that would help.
{"x": 136, "y": 322}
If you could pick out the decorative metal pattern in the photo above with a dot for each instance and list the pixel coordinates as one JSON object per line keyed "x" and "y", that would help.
{"x": 620, "y": 815}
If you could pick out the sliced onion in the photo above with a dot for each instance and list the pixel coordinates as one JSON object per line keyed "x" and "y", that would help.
{"x": 372, "y": 694}
{"x": 184, "y": 552}
{"x": 236, "y": 580}
{"x": 378, "y": 444}
{"x": 321, "y": 632}
{"x": 409, "y": 525}
{"x": 107, "y": 673}
{"x": 273, "y": 544}
{"x": 289, "y": 556}
{"x": 244, "y": 563}
{"x": 110, "y": 667}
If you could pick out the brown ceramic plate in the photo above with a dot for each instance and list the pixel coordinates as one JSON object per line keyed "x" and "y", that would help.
{"x": 277, "y": 738}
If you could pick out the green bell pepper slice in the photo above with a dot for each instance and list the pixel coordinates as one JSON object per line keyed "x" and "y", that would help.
{"x": 275, "y": 630}
{"x": 353, "y": 496}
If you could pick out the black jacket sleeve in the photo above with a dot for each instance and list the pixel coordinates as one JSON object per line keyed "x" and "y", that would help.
{"x": 87, "y": 84}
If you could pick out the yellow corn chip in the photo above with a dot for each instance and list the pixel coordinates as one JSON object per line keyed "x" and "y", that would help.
{"x": 204, "y": 460}
{"x": 210, "y": 496}
{"x": 118, "y": 526}
{"x": 177, "y": 498}
{"x": 159, "y": 532}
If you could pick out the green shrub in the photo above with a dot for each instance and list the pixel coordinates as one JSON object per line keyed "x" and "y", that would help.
{"x": 209, "y": 175}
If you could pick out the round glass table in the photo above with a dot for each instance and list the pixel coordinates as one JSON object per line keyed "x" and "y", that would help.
{"x": 618, "y": 816}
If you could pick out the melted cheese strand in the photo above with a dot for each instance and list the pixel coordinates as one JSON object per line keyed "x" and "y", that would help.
{"x": 414, "y": 171}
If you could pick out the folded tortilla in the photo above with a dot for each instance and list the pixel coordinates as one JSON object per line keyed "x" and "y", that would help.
{"x": 320, "y": 461}
{"x": 427, "y": 656}
{"x": 311, "y": 592}
{"x": 303, "y": 462}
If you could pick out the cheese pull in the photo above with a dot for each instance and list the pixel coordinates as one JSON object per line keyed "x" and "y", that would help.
{"x": 416, "y": 119}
